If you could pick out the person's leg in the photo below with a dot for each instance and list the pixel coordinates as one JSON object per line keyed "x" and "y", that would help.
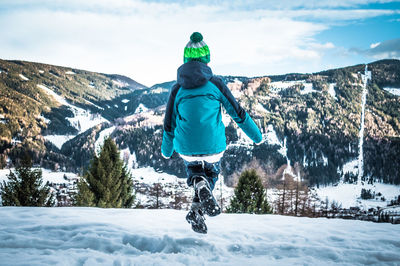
{"x": 212, "y": 171}
{"x": 194, "y": 170}
{"x": 195, "y": 216}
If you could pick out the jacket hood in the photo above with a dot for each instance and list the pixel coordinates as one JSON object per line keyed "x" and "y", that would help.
{"x": 193, "y": 74}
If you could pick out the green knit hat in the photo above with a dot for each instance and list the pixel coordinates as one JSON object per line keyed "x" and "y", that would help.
{"x": 196, "y": 49}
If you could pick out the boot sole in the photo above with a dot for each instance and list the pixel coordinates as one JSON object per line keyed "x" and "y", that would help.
{"x": 208, "y": 203}
{"x": 198, "y": 226}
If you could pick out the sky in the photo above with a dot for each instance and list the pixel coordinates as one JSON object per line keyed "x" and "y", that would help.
{"x": 145, "y": 39}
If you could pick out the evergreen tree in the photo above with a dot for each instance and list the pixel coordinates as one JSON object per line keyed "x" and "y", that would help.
{"x": 107, "y": 183}
{"x": 24, "y": 187}
{"x": 250, "y": 196}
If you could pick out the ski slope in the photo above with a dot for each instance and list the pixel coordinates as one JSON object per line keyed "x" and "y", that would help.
{"x": 93, "y": 236}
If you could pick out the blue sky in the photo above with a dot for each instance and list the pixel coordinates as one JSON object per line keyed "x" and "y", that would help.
{"x": 145, "y": 39}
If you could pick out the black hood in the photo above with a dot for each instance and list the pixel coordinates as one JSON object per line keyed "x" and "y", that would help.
{"x": 193, "y": 74}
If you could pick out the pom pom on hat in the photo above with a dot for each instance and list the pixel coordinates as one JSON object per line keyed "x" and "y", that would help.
{"x": 196, "y": 37}
{"x": 196, "y": 49}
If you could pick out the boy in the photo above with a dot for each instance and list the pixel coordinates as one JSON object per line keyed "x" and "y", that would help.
{"x": 193, "y": 127}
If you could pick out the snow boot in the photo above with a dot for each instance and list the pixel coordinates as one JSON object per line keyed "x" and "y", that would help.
{"x": 196, "y": 219}
{"x": 208, "y": 203}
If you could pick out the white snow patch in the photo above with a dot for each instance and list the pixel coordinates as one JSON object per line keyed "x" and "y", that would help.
{"x": 105, "y": 133}
{"x": 70, "y": 72}
{"x": 98, "y": 107}
{"x": 100, "y": 236}
{"x": 261, "y": 108}
{"x": 351, "y": 167}
{"x": 125, "y": 101}
{"x": 270, "y": 137}
{"x": 23, "y": 77}
{"x": 141, "y": 109}
{"x": 226, "y": 119}
{"x": 59, "y": 140}
{"x": 331, "y": 90}
{"x": 47, "y": 176}
{"x": 394, "y": 91}
{"x": 83, "y": 119}
{"x": 325, "y": 160}
{"x": 43, "y": 118}
{"x": 59, "y": 98}
{"x": 129, "y": 158}
{"x": 120, "y": 83}
{"x": 148, "y": 175}
{"x": 158, "y": 90}
{"x": 15, "y": 141}
{"x": 282, "y": 85}
{"x": 349, "y": 194}
{"x": 308, "y": 88}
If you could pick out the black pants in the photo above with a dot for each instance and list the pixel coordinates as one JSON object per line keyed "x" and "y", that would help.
{"x": 203, "y": 168}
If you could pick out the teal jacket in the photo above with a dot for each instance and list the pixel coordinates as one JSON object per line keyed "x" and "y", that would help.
{"x": 192, "y": 123}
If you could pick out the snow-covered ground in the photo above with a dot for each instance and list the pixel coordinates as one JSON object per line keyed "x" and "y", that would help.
{"x": 141, "y": 109}
{"x": 47, "y": 175}
{"x": 83, "y": 119}
{"x": 120, "y": 83}
{"x": 331, "y": 90}
{"x": 58, "y": 140}
{"x": 105, "y": 133}
{"x": 395, "y": 91}
{"x": 94, "y": 236}
{"x": 282, "y": 85}
{"x": 349, "y": 194}
{"x": 308, "y": 88}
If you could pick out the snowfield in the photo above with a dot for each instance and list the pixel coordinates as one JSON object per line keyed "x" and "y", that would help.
{"x": 395, "y": 91}
{"x": 93, "y": 236}
{"x": 348, "y": 195}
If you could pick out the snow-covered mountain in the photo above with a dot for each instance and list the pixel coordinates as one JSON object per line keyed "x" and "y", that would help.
{"x": 93, "y": 236}
{"x": 312, "y": 125}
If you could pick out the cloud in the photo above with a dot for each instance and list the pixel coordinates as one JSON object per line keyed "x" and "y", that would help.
{"x": 374, "y": 45}
{"x": 145, "y": 40}
{"x": 381, "y": 50}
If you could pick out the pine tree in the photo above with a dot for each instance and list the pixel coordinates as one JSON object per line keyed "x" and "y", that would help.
{"x": 107, "y": 183}
{"x": 250, "y": 196}
{"x": 24, "y": 187}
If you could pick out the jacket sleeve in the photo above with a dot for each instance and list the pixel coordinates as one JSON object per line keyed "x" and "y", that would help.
{"x": 167, "y": 146}
{"x": 237, "y": 113}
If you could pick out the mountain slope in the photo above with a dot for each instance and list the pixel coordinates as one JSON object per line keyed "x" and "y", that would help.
{"x": 310, "y": 122}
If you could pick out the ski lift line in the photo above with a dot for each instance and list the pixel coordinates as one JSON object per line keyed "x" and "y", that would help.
{"x": 365, "y": 78}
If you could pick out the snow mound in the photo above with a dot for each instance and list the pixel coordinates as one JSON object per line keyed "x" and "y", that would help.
{"x": 93, "y": 236}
